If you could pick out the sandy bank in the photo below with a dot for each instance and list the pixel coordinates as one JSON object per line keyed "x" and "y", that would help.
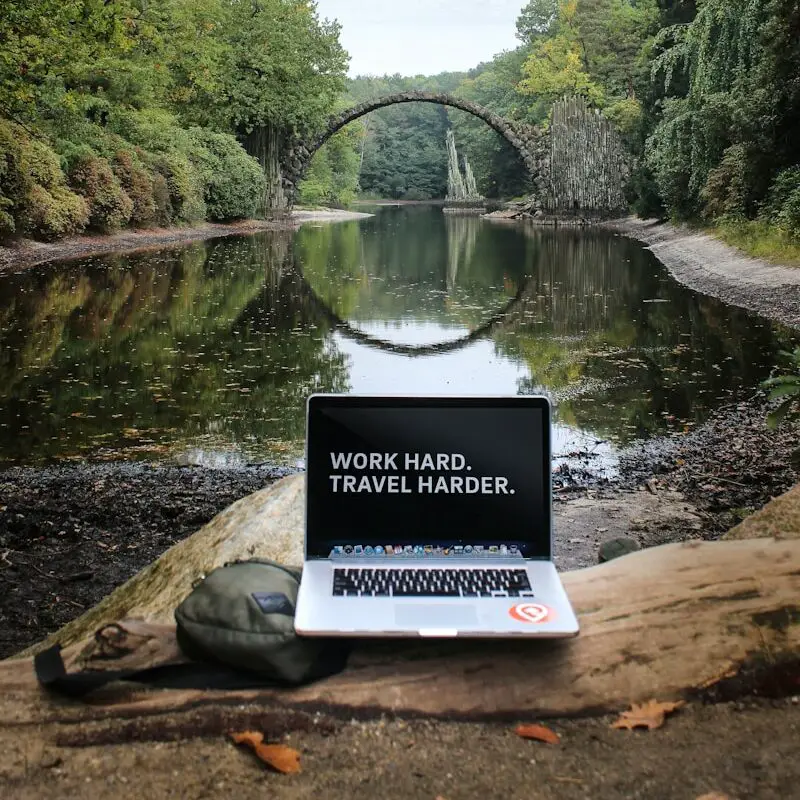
{"x": 28, "y": 253}
{"x": 707, "y": 265}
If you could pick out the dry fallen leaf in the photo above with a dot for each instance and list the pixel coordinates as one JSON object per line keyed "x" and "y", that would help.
{"x": 647, "y": 715}
{"x": 538, "y": 732}
{"x": 278, "y": 756}
{"x": 713, "y": 796}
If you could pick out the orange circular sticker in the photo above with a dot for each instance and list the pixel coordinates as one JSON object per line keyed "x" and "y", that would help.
{"x": 531, "y": 612}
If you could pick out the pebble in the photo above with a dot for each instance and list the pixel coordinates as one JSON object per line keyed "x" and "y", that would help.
{"x": 614, "y": 548}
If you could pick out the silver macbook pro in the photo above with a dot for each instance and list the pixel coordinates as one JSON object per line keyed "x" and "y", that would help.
{"x": 430, "y": 516}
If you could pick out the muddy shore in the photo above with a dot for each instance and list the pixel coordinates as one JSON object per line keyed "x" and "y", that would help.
{"x": 28, "y": 253}
{"x": 70, "y": 534}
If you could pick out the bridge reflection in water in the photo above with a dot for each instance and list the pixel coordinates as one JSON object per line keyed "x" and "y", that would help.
{"x": 214, "y": 347}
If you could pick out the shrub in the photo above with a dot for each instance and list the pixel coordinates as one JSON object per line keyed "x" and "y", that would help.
{"x": 783, "y": 204}
{"x": 725, "y": 193}
{"x": 162, "y": 200}
{"x": 109, "y": 205}
{"x": 12, "y": 178}
{"x": 138, "y": 185}
{"x": 54, "y": 213}
{"x": 185, "y": 186}
{"x": 34, "y": 198}
{"x": 233, "y": 181}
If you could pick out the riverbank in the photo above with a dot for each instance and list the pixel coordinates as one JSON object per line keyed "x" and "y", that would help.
{"x": 29, "y": 253}
{"x": 708, "y": 265}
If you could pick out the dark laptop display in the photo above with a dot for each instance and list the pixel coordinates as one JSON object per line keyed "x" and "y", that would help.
{"x": 397, "y": 478}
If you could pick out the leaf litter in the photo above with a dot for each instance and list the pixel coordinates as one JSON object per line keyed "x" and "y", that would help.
{"x": 280, "y": 757}
{"x": 648, "y": 715}
{"x": 537, "y": 732}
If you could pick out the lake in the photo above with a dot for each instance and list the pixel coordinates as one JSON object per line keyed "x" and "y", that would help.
{"x": 205, "y": 354}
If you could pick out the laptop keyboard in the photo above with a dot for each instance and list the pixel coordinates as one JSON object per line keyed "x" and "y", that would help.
{"x": 366, "y": 582}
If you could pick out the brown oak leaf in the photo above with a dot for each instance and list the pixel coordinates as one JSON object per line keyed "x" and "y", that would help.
{"x": 646, "y": 715}
{"x": 537, "y": 732}
{"x": 278, "y": 756}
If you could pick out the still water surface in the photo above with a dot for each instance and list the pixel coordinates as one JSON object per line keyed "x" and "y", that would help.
{"x": 205, "y": 354}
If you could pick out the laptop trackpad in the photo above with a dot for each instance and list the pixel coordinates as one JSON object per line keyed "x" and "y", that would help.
{"x": 431, "y": 615}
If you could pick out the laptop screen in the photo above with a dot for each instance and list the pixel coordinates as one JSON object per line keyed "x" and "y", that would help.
{"x": 392, "y": 478}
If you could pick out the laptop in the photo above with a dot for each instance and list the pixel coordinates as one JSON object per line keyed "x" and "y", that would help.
{"x": 430, "y": 516}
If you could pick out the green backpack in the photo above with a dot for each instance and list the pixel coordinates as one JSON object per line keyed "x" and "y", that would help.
{"x": 242, "y": 615}
{"x": 237, "y": 626}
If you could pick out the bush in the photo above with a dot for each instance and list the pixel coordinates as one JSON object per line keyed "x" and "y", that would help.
{"x": 138, "y": 185}
{"x": 34, "y": 198}
{"x": 109, "y": 205}
{"x": 162, "y": 200}
{"x": 783, "y": 204}
{"x": 12, "y": 178}
{"x": 53, "y": 214}
{"x": 416, "y": 194}
{"x": 725, "y": 193}
{"x": 184, "y": 184}
{"x": 233, "y": 181}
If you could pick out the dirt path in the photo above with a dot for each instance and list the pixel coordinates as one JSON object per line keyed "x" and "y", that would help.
{"x": 746, "y": 750}
{"x": 29, "y": 253}
{"x": 707, "y": 265}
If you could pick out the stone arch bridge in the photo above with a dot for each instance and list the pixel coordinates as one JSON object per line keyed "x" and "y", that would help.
{"x": 578, "y": 164}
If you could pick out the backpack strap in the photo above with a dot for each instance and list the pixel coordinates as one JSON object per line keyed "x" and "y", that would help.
{"x": 52, "y": 674}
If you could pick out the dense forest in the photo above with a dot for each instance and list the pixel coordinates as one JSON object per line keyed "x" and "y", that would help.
{"x": 150, "y": 113}
{"x": 135, "y": 112}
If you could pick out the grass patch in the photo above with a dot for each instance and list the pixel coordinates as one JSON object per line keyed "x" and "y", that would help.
{"x": 760, "y": 240}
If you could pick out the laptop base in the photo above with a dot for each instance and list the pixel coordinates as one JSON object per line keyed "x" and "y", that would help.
{"x": 545, "y": 614}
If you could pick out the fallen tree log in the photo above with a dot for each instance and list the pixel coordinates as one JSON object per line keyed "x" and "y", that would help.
{"x": 663, "y": 622}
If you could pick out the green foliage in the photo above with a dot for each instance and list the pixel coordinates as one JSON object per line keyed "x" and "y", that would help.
{"x": 12, "y": 177}
{"x": 558, "y": 64}
{"x": 592, "y": 48}
{"x": 138, "y": 185}
{"x": 34, "y": 198}
{"x": 725, "y": 190}
{"x": 332, "y": 178}
{"x": 783, "y": 204}
{"x": 281, "y": 66}
{"x": 185, "y": 187}
{"x": 786, "y": 388}
{"x": 536, "y": 19}
{"x": 759, "y": 238}
{"x": 109, "y": 206}
{"x": 49, "y": 209}
{"x": 729, "y": 124}
{"x": 118, "y": 85}
{"x": 234, "y": 182}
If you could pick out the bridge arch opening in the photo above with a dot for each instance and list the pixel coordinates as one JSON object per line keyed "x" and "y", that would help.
{"x": 528, "y": 142}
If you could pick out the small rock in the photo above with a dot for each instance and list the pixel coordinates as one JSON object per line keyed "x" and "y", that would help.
{"x": 50, "y": 760}
{"x": 614, "y": 548}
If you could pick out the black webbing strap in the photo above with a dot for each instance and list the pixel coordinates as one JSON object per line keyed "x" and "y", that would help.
{"x": 52, "y": 674}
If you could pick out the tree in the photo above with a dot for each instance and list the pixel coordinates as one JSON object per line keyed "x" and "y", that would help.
{"x": 536, "y": 19}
